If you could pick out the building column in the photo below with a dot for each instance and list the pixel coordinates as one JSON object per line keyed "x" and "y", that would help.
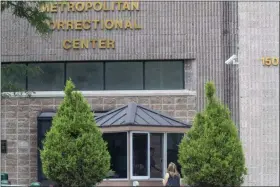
{"x": 258, "y": 24}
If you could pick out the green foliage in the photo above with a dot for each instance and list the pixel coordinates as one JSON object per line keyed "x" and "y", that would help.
{"x": 13, "y": 78}
{"x": 74, "y": 152}
{"x": 211, "y": 152}
{"x": 29, "y": 10}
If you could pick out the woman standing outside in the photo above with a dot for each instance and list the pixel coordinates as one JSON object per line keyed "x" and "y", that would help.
{"x": 172, "y": 177}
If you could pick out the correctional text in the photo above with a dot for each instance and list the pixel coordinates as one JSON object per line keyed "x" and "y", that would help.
{"x": 94, "y": 24}
{"x": 91, "y": 23}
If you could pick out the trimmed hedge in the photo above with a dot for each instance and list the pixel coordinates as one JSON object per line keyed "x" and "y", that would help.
{"x": 211, "y": 153}
{"x": 74, "y": 152}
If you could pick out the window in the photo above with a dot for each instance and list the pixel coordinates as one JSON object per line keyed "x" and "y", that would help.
{"x": 140, "y": 155}
{"x": 164, "y": 75}
{"x": 156, "y": 155}
{"x": 43, "y": 127}
{"x": 13, "y": 77}
{"x": 117, "y": 147}
{"x": 113, "y": 75}
{"x": 124, "y": 76}
{"x": 86, "y": 76}
{"x": 173, "y": 141}
{"x": 51, "y": 78}
{"x": 147, "y": 155}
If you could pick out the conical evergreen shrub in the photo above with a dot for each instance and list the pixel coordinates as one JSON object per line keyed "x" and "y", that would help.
{"x": 211, "y": 153}
{"x": 74, "y": 152}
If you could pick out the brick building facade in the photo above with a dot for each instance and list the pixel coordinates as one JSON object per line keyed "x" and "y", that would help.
{"x": 19, "y": 122}
{"x": 201, "y": 34}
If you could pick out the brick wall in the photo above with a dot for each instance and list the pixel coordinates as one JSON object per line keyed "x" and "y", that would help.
{"x": 19, "y": 125}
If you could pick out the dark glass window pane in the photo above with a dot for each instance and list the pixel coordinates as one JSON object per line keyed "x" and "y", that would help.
{"x": 140, "y": 155}
{"x": 156, "y": 155}
{"x": 13, "y": 77}
{"x": 43, "y": 127}
{"x": 124, "y": 76}
{"x": 86, "y": 76}
{"x": 163, "y": 75}
{"x": 173, "y": 141}
{"x": 117, "y": 147}
{"x": 51, "y": 78}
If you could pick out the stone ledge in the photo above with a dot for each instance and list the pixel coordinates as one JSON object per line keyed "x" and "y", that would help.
{"x": 53, "y": 94}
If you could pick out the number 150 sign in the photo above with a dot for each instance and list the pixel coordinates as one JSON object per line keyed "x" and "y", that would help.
{"x": 270, "y": 61}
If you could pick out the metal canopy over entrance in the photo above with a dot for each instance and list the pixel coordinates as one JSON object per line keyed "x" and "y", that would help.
{"x": 137, "y": 115}
{"x": 132, "y": 114}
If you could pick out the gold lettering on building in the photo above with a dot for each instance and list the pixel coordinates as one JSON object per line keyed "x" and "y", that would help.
{"x": 127, "y": 25}
{"x": 54, "y": 7}
{"x": 97, "y": 6}
{"x": 86, "y": 25}
{"x": 109, "y": 24}
{"x": 71, "y": 7}
{"x": 79, "y": 25}
{"x": 87, "y": 43}
{"x": 268, "y": 61}
{"x": 66, "y": 44}
{"x": 80, "y": 6}
{"x": 94, "y": 24}
{"x": 88, "y": 6}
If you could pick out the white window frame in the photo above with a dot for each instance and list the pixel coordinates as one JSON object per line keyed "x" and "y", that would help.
{"x": 164, "y": 154}
{"x": 131, "y": 156}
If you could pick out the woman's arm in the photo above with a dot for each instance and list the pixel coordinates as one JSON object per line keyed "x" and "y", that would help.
{"x": 164, "y": 181}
